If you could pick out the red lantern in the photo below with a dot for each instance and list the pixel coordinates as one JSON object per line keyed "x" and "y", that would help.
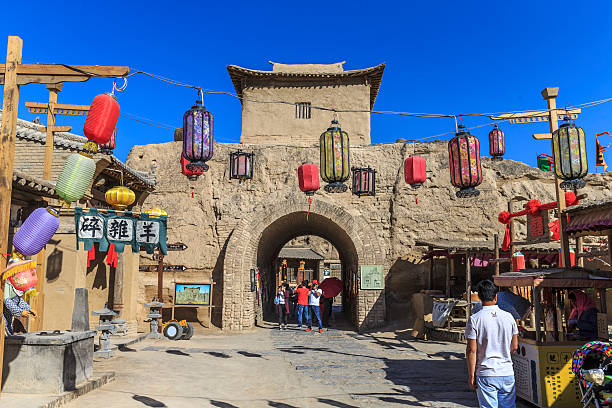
{"x": 308, "y": 174}
{"x": 101, "y": 119}
{"x": 108, "y": 147}
{"x": 518, "y": 262}
{"x": 191, "y": 172}
{"x": 572, "y": 258}
{"x": 415, "y": 171}
{"x": 497, "y": 143}
{"x": 464, "y": 156}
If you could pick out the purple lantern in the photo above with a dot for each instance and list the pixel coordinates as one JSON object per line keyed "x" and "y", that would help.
{"x": 198, "y": 136}
{"x": 36, "y": 231}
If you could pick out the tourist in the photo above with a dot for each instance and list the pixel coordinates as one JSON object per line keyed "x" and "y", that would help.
{"x": 302, "y": 293}
{"x": 328, "y": 304}
{"x": 282, "y": 306}
{"x": 314, "y": 298}
{"x": 582, "y": 323}
{"x": 492, "y": 336}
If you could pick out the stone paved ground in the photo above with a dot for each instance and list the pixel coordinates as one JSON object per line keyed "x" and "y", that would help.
{"x": 271, "y": 368}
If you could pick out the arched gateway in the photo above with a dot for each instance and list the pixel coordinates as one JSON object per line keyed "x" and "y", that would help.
{"x": 260, "y": 235}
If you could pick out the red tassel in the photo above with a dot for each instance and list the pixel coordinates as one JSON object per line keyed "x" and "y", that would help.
{"x": 506, "y": 243}
{"x": 416, "y": 198}
{"x": 192, "y": 194}
{"x": 91, "y": 255}
{"x": 112, "y": 259}
{"x": 309, "y": 203}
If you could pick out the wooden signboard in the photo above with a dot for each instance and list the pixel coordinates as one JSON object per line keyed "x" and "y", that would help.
{"x": 537, "y": 228}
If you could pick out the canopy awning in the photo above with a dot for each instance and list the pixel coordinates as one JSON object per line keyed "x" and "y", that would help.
{"x": 557, "y": 278}
{"x": 591, "y": 219}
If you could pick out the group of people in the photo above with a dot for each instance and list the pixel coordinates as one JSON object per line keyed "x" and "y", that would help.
{"x": 492, "y": 338}
{"x": 305, "y": 302}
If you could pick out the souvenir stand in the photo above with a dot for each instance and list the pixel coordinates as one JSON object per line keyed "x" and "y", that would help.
{"x": 595, "y": 220}
{"x": 453, "y": 309}
{"x": 543, "y": 362}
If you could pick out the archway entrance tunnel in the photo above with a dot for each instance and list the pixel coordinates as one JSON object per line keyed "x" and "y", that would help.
{"x": 286, "y": 229}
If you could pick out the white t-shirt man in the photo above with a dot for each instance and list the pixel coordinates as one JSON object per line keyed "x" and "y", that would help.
{"x": 314, "y": 300}
{"x": 492, "y": 328}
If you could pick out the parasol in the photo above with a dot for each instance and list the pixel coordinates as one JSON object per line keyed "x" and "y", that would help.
{"x": 331, "y": 287}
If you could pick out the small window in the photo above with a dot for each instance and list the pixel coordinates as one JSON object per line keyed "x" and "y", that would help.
{"x": 302, "y": 110}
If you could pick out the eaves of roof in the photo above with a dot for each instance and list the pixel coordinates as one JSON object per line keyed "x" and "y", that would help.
{"x": 374, "y": 74}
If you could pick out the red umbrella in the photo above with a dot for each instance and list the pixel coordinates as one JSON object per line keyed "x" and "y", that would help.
{"x": 331, "y": 287}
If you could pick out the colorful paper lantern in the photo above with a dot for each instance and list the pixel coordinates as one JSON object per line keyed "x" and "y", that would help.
{"x": 241, "y": 165}
{"x": 415, "y": 171}
{"x": 22, "y": 276}
{"x": 464, "y": 157}
{"x": 75, "y": 178}
{"x": 364, "y": 181}
{"x": 36, "y": 231}
{"x": 108, "y": 147}
{"x": 518, "y": 261}
{"x": 497, "y": 143}
{"x": 155, "y": 212}
{"x": 308, "y": 176}
{"x": 101, "y": 118}
{"x": 192, "y": 173}
{"x": 335, "y": 160}
{"x": 570, "y": 155}
{"x": 198, "y": 136}
{"x": 119, "y": 197}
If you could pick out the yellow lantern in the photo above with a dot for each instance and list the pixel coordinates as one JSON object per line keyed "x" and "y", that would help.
{"x": 155, "y": 212}
{"x": 120, "y": 197}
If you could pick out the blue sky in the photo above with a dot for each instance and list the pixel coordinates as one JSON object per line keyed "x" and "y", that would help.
{"x": 442, "y": 57}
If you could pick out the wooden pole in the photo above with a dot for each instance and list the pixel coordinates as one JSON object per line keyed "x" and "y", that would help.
{"x": 448, "y": 271}
{"x": 431, "y": 267}
{"x": 468, "y": 284}
{"x": 160, "y": 276}
{"x": 496, "y": 245}
{"x": 579, "y": 250}
{"x": 550, "y": 95}
{"x": 8, "y": 132}
{"x": 511, "y": 227}
{"x": 535, "y": 290}
{"x": 610, "y": 248}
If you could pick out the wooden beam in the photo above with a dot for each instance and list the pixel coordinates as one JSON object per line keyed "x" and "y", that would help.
{"x": 468, "y": 285}
{"x": 70, "y": 70}
{"x": 45, "y": 79}
{"x": 579, "y": 250}
{"x": 56, "y": 129}
{"x": 8, "y": 131}
{"x": 542, "y": 136}
{"x": 536, "y": 115}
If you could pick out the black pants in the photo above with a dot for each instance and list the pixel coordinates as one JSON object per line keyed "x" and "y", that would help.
{"x": 327, "y": 310}
{"x": 282, "y": 315}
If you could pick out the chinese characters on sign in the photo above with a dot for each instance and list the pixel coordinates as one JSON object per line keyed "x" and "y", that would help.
{"x": 141, "y": 233}
{"x": 537, "y": 228}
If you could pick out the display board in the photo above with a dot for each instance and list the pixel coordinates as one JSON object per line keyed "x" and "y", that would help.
{"x": 192, "y": 294}
{"x": 372, "y": 277}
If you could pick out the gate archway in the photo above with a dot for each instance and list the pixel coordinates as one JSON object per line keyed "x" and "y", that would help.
{"x": 259, "y": 236}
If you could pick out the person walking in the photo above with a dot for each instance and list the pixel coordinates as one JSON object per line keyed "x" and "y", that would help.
{"x": 282, "y": 306}
{"x": 314, "y": 298}
{"x": 302, "y": 293}
{"x": 492, "y": 337}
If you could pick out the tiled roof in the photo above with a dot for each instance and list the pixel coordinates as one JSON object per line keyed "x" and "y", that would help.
{"x": 299, "y": 253}
{"x": 374, "y": 74}
{"x": 484, "y": 246}
{"x": 29, "y": 131}
{"x": 34, "y": 184}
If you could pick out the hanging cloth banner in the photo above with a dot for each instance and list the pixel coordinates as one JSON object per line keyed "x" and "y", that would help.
{"x": 120, "y": 230}
{"x": 90, "y": 228}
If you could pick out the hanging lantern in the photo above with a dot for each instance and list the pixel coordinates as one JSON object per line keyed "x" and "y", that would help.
{"x": 415, "y": 171}
{"x": 155, "y": 212}
{"x": 36, "y": 231}
{"x": 108, "y": 147}
{"x": 334, "y": 145}
{"x": 364, "y": 181}
{"x": 570, "y": 155}
{"x": 76, "y": 175}
{"x": 119, "y": 197}
{"x": 518, "y": 261}
{"x": 22, "y": 277}
{"x": 241, "y": 165}
{"x": 191, "y": 173}
{"x": 101, "y": 118}
{"x": 464, "y": 156}
{"x": 308, "y": 176}
{"x": 497, "y": 143}
{"x": 198, "y": 136}
{"x": 572, "y": 258}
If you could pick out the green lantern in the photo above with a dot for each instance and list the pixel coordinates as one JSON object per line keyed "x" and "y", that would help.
{"x": 335, "y": 162}
{"x": 570, "y": 155}
{"x": 76, "y": 175}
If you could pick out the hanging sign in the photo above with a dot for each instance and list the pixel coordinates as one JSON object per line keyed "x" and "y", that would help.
{"x": 371, "y": 277}
{"x": 537, "y": 228}
{"x": 179, "y": 246}
{"x": 126, "y": 229}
